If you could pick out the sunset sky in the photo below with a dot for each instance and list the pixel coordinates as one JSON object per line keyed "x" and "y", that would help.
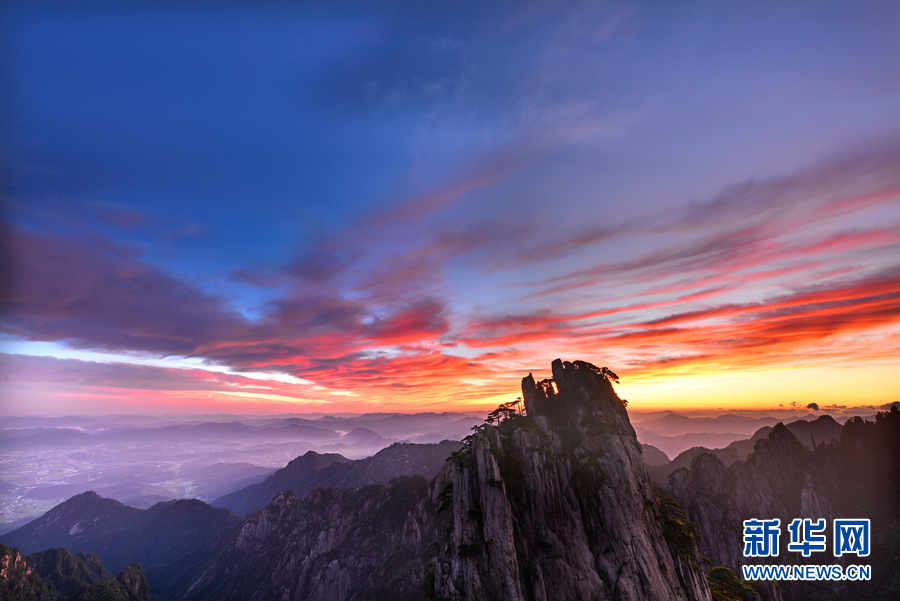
{"x": 370, "y": 206}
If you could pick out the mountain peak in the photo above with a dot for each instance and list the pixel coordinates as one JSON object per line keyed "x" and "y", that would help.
{"x": 574, "y": 383}
{"x": 552, "y": 504}
{"x": 532, "y": 501}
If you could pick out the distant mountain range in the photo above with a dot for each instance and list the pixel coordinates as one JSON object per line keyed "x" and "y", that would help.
{"x": 142, "y": 460}
{"x": 314, "y": 470}
{"x": 822, "y": 430}
{"x": 674, "y": 433}
{"x": 119, "y": 534}
{"x": 557, "y": 503}
{"x": 62, "y": 438}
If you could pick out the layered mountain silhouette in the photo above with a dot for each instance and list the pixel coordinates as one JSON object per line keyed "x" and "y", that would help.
{"x": 822, "y": 430}
{"x": 176, "y": 537}
{"x": 314, "y": 470}
{"x": 553, "y": 502}
{"x": 857, "y": 476}
{"x": 119, "y": 534}
{"x": 293, "y": 475}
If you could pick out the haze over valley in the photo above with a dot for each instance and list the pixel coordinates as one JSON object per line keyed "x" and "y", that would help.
{"x": 544, "y": 488}
{"x": 141, "y": 460}
{"x": 377, "y": 301}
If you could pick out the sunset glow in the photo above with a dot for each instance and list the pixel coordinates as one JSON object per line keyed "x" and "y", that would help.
{"x": 359, "y": 209}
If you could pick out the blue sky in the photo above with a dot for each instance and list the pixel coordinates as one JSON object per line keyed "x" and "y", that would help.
{"x": 341, "y": 192}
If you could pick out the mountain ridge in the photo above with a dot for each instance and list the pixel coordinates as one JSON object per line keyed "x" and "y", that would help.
{"x": 119, "y": 534}
{"x": 377, "y": 541}
{"x": 336, "y": 471}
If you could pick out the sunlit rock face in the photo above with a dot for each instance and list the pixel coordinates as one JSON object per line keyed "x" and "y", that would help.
{"x": 555, "y": 504}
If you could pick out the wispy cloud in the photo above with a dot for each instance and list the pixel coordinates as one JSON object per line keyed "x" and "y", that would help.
{"x": 758, "y": 274}
{"x": 92, "y": 293}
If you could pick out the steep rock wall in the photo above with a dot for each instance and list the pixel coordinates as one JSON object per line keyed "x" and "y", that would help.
{"x": 558, "y": 505}
{"x": 553, "y": 505}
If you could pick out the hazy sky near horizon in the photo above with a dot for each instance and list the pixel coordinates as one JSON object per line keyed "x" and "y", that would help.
{"x": 373, "y": 206}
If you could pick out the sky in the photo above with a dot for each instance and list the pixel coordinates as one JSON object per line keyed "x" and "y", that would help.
{"x": 405, "y": 206}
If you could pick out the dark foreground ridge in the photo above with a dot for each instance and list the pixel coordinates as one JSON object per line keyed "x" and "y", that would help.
{"x": 59, "y": 575}
{"x": 552, "y": 504}
{"x": 855, "y": 477}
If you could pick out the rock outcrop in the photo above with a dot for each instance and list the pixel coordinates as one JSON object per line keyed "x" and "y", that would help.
{"x": 59, "y": 575}
{"x": 858, "y": 477}
{"x": 18, "y": 582}
{"x": 361, "y": 543}
{"x": 557, "y": 505}
{"x": 129, "y": 585}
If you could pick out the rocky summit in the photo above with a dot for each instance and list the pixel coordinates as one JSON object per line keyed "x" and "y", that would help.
{"x": 549, "y": 502}
{"x": 556, "y": 504}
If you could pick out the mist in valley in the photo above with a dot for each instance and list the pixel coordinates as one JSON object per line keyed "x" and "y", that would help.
{"x": 142, "y": 460}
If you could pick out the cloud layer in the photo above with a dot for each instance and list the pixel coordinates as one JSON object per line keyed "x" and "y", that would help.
{"x": 378, "y": 208}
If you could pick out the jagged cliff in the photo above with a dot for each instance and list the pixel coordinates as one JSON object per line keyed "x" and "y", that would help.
{"x": 858, "y": 476}
{"x": 59, "y": 575}
{"x": 776, "y": 481}
{"x": 557, "y": 505}
{"x": 360, "y": 543}
{"x": 552, "y": 505}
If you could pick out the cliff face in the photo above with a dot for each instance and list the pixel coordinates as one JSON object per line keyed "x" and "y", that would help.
{"x": 558, "y": 505}
{"x": 58, "y": 575}
{"x": 778, "y": 480}
{"x": 361, "y": 543}
{"x": 555, "y": 505}
{"x": 782, "y": 478}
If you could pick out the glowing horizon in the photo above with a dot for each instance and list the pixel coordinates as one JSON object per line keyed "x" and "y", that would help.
{"x": 232, "y": 212}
